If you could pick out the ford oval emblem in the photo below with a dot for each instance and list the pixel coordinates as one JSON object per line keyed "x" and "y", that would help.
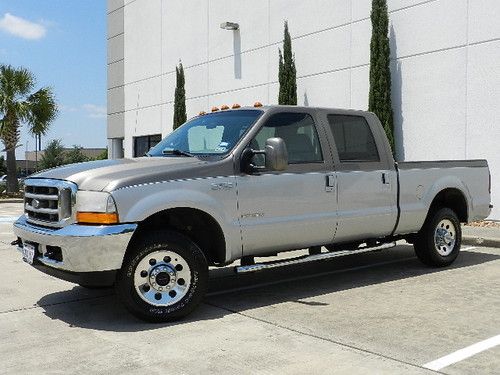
{"x": 35, "y": 203}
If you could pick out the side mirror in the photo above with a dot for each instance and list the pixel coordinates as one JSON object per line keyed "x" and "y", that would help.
{"x": 276, "y": 154}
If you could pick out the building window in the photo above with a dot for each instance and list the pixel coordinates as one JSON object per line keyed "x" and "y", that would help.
{"x": 144, "y": 143}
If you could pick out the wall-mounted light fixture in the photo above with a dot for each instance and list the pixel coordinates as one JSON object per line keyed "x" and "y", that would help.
{"x": 229, "y": 26}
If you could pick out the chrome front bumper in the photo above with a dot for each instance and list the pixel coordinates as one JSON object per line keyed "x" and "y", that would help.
{"x": 84, "y": 248}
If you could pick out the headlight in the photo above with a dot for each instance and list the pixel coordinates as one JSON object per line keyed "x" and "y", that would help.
{"x": 95, "y": 207}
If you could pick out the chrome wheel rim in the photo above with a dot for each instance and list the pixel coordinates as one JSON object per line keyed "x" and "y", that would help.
{"x": 162, "y": 278}
{"x": 445, "y": 237}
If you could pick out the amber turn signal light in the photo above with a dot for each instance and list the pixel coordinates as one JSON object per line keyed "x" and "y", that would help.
{"x": 97, "y": 217}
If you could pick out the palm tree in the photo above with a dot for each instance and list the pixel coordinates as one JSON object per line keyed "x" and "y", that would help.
{"x": 20, "y": 105}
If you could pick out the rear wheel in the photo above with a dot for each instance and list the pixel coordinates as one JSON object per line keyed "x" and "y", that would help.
{"x": 438, "y": 242}
{"x": 164, "y": 277}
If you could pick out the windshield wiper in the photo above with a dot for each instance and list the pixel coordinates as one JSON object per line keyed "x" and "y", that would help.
{"x": 176, "y": 151}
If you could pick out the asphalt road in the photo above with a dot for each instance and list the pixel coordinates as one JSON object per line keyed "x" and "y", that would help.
{"x": 380, "y": 312}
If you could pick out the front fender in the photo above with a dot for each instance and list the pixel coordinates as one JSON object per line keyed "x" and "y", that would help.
{"x": 137, "y": 203}
{"x": 173, "y": 198}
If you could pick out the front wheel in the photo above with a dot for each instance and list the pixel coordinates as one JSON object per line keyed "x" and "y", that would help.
{"x": 438, "y": 242}
{"x": 163, "y": 278}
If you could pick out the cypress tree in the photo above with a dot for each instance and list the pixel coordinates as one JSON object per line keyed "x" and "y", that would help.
{"x": 287, "y": 73}
{"x": 380, "y": 74}
{"x": 180, "y": 116}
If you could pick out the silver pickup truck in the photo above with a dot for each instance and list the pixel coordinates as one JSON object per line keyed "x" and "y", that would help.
{"x": 237, "y": 184}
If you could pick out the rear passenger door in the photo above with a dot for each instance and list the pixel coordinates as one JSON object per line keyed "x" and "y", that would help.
{"x": 367, "y": 180}
{"x": 294, "y": 208}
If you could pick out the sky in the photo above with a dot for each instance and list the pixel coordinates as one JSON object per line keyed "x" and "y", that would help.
{"x": 63, "y": 42}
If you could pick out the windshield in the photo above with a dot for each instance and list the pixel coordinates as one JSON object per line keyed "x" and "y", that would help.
{"x": 210, "y": 134}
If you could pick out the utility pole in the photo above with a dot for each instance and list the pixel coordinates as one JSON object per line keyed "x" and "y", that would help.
{"x": 38, "y": 147}
{"x": 36, "y": 153}
{"x": 26, "y": 159}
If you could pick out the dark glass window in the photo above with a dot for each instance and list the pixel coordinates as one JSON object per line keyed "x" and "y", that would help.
{"x": 353, "y": 138}
{"x": 299, "y": 133}
{"x": 144, "y": 143}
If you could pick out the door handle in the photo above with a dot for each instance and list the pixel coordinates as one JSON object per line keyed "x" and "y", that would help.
{"x": 330, "y": 182}
{"x": 385, "y": 178}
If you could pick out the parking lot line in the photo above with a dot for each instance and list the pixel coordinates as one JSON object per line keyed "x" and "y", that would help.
{"x": 8, "y": 219}
{"x": 462, "y": 354}
{"x": 468, "y": 248}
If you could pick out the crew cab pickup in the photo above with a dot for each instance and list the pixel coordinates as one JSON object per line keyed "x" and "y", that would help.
{"x": 237, "y": 184}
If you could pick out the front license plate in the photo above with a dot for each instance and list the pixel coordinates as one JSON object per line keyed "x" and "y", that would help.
{"x": 28, "y": 253}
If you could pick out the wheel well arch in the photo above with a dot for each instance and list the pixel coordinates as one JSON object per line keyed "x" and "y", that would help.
{"x": 451, "y": 198}
{"x": 199, "y": 226}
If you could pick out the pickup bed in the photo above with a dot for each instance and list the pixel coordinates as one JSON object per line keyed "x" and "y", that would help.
{"x": 235, "y": 184}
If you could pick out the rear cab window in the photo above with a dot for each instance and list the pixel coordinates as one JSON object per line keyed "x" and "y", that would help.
{"x": 354, "y": 141}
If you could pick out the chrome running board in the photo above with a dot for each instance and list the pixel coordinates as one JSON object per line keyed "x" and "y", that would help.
{"x": 309, "y": 258}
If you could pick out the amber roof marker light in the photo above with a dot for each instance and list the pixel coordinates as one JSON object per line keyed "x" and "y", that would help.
{"x": 202, "y": 113}
{"x": 224, "y": 107}
{"x": 236, "y": 106}
{"x": 215, "y": 109}
{"x": 257, "y": 104}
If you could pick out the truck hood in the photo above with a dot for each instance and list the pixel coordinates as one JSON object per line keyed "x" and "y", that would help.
{"x": 109, "y": 175}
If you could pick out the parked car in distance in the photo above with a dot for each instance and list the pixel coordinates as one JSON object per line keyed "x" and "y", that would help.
{"x": 236, "y": 184}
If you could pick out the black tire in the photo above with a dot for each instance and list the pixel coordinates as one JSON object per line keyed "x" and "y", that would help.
{"x": 426, "y": 245}
{"x": 155, "y": 242}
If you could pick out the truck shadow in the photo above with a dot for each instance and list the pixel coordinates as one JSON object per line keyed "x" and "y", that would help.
{"x": 232, "y": 293}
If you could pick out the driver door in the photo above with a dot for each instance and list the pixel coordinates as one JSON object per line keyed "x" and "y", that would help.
{"x": 295, "y": 208}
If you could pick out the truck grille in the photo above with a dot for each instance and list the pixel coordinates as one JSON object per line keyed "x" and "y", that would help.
{"x": 49, "y": 202}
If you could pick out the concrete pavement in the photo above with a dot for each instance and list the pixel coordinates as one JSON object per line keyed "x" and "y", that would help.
{"x": 371, "y": 313}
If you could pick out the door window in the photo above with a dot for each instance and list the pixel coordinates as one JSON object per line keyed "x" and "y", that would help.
{"x": 353, "y": 138}
{"x": 299, "y": 133}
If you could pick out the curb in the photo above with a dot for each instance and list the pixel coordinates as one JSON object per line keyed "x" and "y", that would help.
{"x": 12, "y": 200}
{"x": 481, "y": 241}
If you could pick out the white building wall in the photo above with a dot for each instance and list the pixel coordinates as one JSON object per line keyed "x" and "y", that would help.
{"x": 445, "y": 69}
